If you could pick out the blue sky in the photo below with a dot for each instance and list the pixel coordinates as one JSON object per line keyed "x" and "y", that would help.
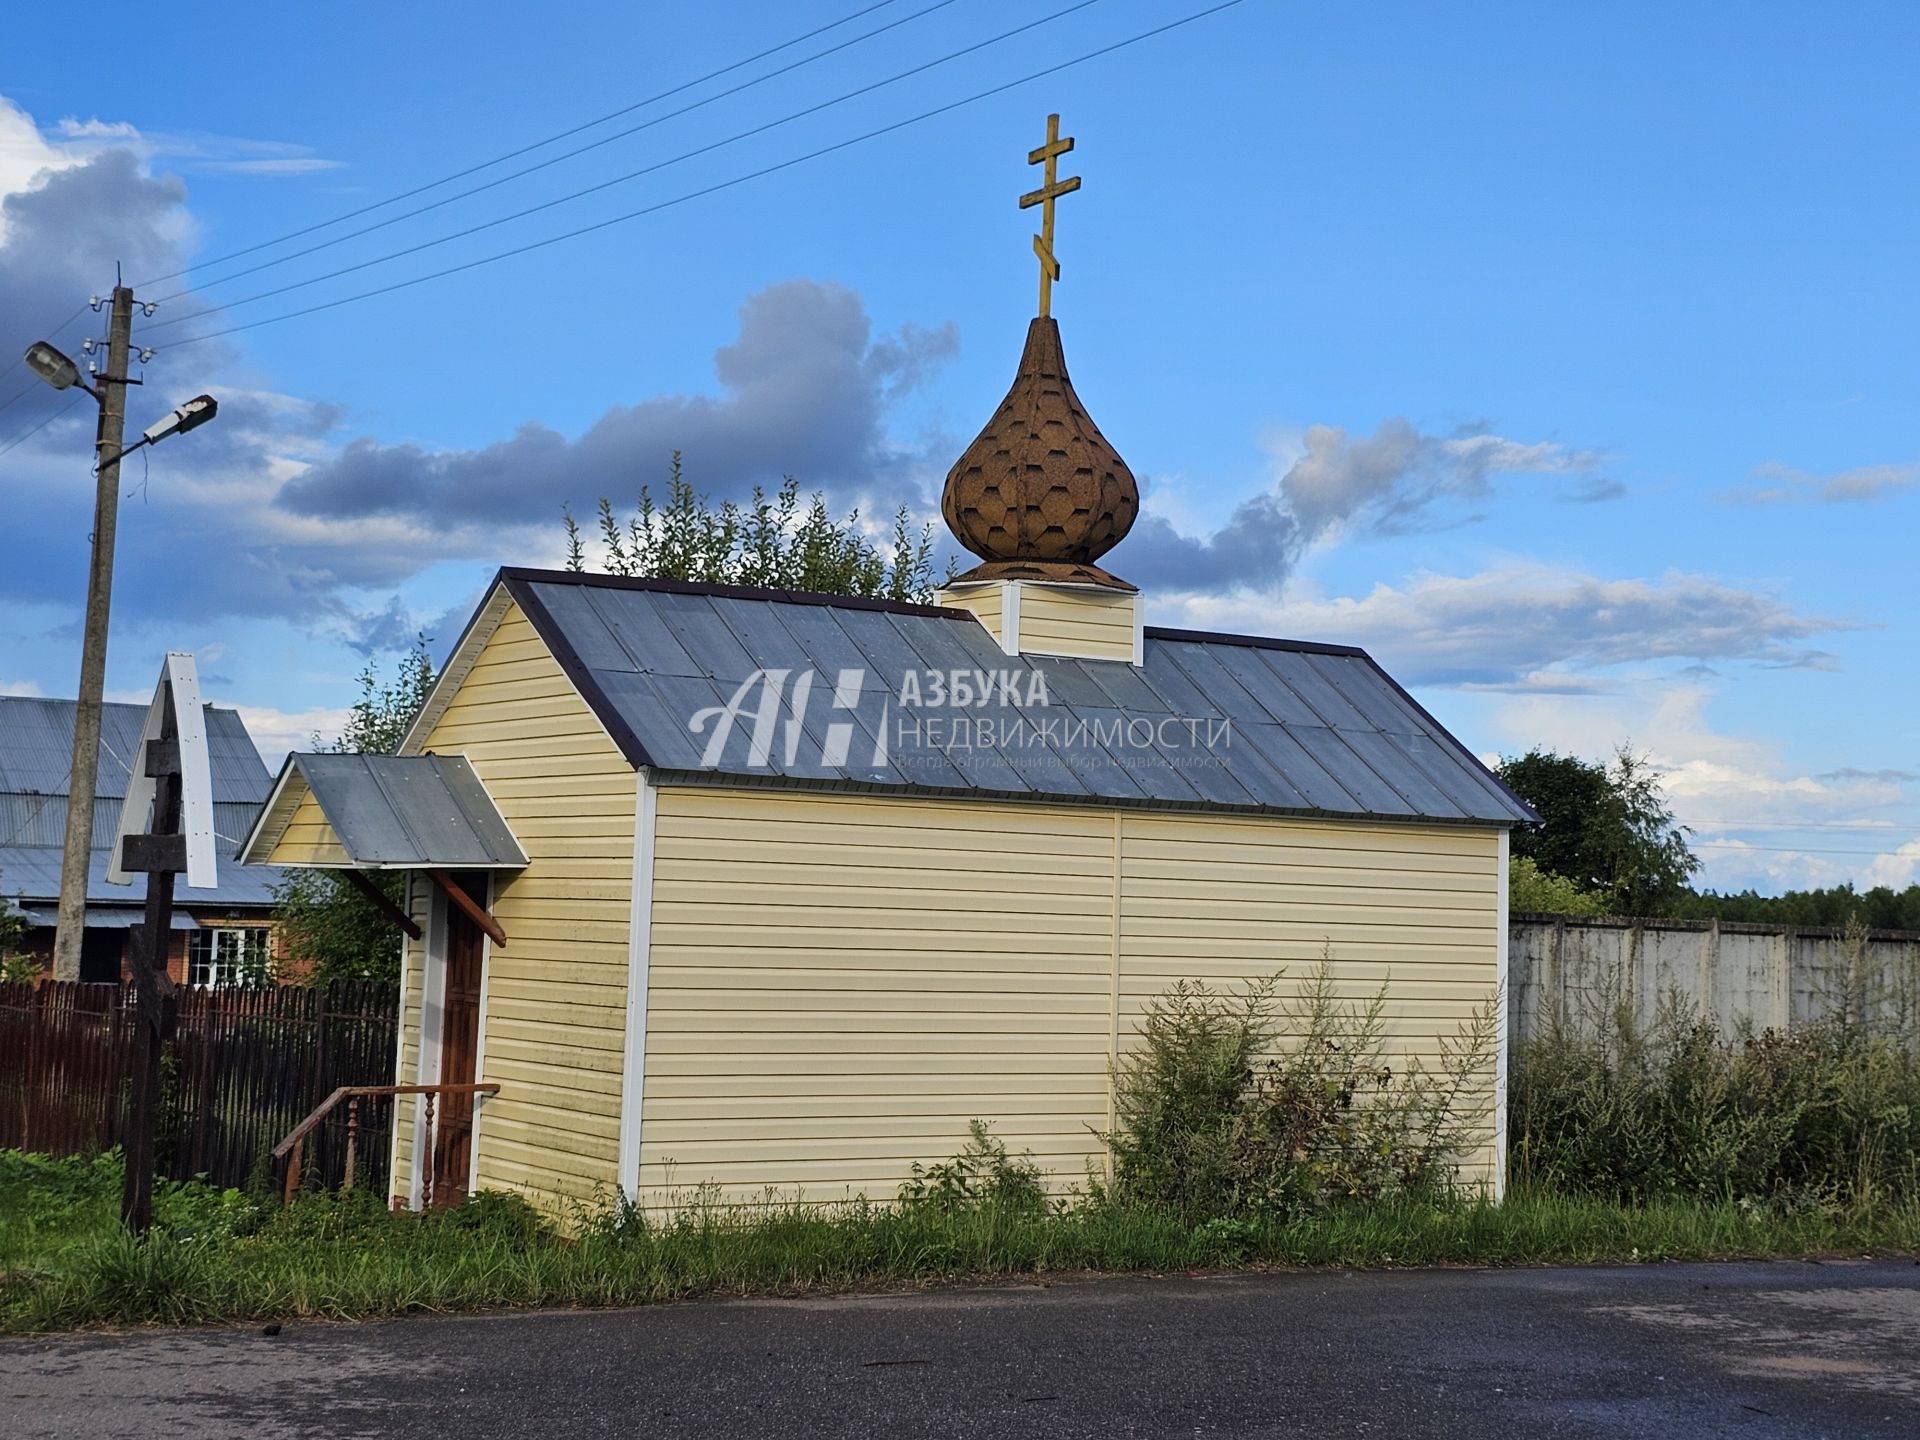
{"x": 1564, "y": 360}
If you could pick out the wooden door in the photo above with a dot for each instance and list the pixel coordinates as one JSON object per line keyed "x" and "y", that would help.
{"x": 459, "y": 1043}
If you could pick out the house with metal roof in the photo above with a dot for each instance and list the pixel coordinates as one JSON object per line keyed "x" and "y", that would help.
{"x": 768, "y": 891}
{"x": 218, "y": 933}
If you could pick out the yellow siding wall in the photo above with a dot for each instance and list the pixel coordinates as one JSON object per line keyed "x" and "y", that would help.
{"x": 308, "y": 839}
{"x": 983, "y": 602}
{"x": 1076, "y": 620}
{"x": 554, "y": 1027}
{"x": 1225, "y": 899}
{"x": 839, "y": 984}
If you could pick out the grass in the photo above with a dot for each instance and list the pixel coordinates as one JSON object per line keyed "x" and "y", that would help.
{"x": 220, "y": 1256}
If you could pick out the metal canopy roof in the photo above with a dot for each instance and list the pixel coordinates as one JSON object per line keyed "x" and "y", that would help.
{"x": 394, "y": 812}
{"x": 1208, "y": 721}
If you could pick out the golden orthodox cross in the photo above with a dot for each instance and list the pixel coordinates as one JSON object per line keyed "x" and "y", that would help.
{"x": 1044, "y": 197}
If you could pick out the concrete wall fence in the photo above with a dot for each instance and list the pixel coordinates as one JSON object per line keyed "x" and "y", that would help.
{"x": 1768, "y": 976}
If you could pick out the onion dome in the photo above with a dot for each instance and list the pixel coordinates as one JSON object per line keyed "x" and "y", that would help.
{"x": 1041, "y": 494}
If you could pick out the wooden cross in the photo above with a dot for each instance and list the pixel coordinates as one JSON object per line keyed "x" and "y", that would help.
{"x": 1044, "y": 197}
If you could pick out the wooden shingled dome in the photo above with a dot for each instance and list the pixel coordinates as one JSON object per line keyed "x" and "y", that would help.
{"x": 1040, "y": 494}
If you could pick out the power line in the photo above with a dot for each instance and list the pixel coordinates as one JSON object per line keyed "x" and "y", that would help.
{"x": 560, "y": 158}
{"x": 630, "y": 175}
{"x": 1789, "y": 849}
{"x": 52, "y": 334}
{"x": 516, "y": 154}
{"x": 25, "y": 436}
{"x": 1854, "y": 825}
{"x": 718, "y": 186}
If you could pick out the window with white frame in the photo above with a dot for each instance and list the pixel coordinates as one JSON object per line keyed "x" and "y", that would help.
{"x": 228, "y": 956}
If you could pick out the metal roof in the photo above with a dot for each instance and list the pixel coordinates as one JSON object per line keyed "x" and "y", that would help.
{"x": 101, "y": 917}
{"x": 1212, "y": 722}
{"x": 36, "y": 749}
{"x": 395, "y": 812}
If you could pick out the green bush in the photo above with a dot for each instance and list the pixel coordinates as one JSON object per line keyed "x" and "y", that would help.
{"x": 1825, "y": 1113}
{"x": 1238, "y": 1105}
{"x": 1529, "y": 888}
{"x": 981, "y": 1174}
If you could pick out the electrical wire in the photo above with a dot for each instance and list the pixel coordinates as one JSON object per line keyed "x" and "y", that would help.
{"x": 34, "y": 383}
{"x": 22, "y": 392}
{"x": 622, "y": 179}
{"x": 685, "y": 85}
{"x": 715, "y": 188}
{"x": 1788, "y": 849}
{"x": 27, "y": 435}
{"x": 560, "y": 158}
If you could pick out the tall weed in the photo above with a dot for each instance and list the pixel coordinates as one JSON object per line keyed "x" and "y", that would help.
{"x": 1247, "y": 1104}
{"x": 1827, "y": 1113}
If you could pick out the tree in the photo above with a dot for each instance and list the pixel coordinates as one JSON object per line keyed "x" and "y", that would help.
{"x": 1881, "y": 908}
{"x": 771, "y": 543}
{"x": 14, "y": 967}
{"x": 1608, "y": 828}
{"x": 1529, "y": 888}
{"x": 328, "y": 928}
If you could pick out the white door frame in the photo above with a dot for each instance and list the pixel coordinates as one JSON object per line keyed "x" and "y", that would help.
{"x": 433, "y": 1039}
{"x": 433, "y": 987}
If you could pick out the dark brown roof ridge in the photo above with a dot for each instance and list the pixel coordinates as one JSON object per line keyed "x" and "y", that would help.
{"x": 526, "y": 575}
{"x": 536, "y": 576}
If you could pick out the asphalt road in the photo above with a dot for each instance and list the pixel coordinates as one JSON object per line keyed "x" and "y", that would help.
{"x": 1693, "y": 1350}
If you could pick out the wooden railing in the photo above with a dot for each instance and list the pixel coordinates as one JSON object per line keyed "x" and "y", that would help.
{"x": 292, "y": 1150}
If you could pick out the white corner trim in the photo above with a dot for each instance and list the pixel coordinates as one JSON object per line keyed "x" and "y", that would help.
{"x": 633, "y": 1073}
{"x": 480, "y": 1046}
{"x": 276, "y": 812}
{"x": 1503, "y": 1004}
{"x": 433, "y": 1004}
{"x": 1139, "y": 630}
{"x": 1010, "y": 616}
{"x": 493, "y": 609}
{"x": 400, "y": 1045}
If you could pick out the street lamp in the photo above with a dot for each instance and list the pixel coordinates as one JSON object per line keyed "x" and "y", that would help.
{"x": 56, "y": 369}
{"x": 190, "y": 416}
{"x": 44, "y": 360}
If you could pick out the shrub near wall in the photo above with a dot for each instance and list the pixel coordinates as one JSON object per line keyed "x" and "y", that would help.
{"x": 1827, "y": 1113}
{"x": 1243, "y": 1105}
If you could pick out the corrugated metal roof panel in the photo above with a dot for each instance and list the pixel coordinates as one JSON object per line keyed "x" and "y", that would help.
{"x": 411, "y": 811}
{"x": 36, "y": 750}
{"x": 33, "y": 872}
{"x": 1214, "y": 722}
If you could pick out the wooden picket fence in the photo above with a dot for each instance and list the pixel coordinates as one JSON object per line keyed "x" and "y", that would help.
{"x": 243, "y": 1068}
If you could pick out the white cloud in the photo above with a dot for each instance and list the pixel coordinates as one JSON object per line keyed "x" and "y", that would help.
{"x": 1758, "y": 820}
{"x": 1394, "y": 480}
{"x": 1898, "y": 869}
{"x": 1528, "y": 627}
{"x": 1858, "y": 485}
{"x": 275, "y": 732}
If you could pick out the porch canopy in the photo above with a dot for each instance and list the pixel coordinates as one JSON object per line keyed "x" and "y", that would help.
{"x": 382, "y": 812}
{"x": 355, "y": 813}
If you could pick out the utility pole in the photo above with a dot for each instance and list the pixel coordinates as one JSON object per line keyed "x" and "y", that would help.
{"x": 112, "y": 393}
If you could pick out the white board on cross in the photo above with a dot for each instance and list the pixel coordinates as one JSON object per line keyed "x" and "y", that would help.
{"x": 179, "y": 686}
